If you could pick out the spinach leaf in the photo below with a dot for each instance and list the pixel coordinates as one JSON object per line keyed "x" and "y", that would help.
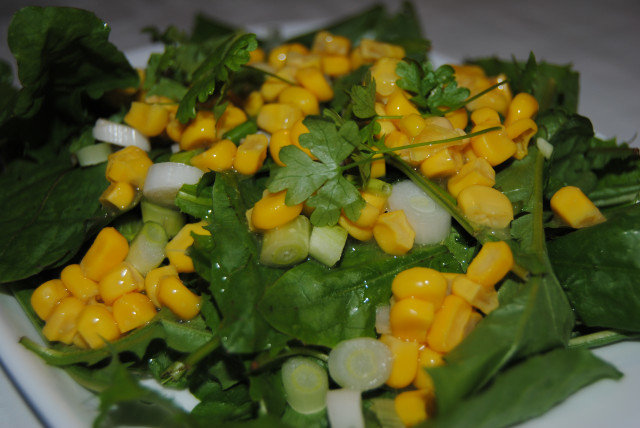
{"x": 323, "y": 306}
{"x": 218, "y": 405}
{"x": 599, "y": 268}
{"x": 49, "y": 210}
{"x": 528, "y": 389}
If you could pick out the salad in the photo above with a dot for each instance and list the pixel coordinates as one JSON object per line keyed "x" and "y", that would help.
{"x": 322, "y": 230}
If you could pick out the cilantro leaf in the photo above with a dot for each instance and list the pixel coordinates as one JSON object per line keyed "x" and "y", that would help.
{"x": 228, "y": 57}
{"x": 363, "y": 98}
{"x": 337, "y": 193}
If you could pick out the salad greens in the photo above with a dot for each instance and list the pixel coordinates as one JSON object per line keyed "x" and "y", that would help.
{"x": 568, "y": 285}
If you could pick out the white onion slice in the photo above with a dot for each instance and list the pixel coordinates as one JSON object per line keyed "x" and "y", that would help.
{"x": 166, "y": 178}
{"x": 362, "y": 363}
{"x": 383, "y": 326}
{"x": 93, "y": 154}
{"x": 430, "y": 221}
{"x": 175, "y": 148}
{"x": 344, "y": 407}
{"x": 545, "y": 147}
{"x": 119, "y": 134}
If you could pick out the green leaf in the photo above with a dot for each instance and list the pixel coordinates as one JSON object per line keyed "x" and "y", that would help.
{"x": 267, "y": 388}
{"x": 336, "y": 194}
{"x": 363, "y": 98}
{"x": 323, "y": 306}
{"x": 218, "y": 405}
{"x": 599, "y": 267}
{"x": 528, "y": 389}
{"x": 342, "y": 86}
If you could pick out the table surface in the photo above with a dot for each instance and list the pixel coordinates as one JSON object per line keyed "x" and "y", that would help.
{"x": 599, "y": 38}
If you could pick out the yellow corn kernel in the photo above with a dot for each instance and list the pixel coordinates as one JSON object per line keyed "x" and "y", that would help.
{"x": 278, "y": 56}
{"x": 47, "y": 296}
{"x": 575, "y": 208}
{"x": 279, "y": 139}
{"x": 495, "y": 146}
{"x": 475, "y": 294}
{"x": 119, "y": 195}
{"x": 272, "y": 86}
{"x": 378, "y": 200}
{"x": 399, "y": 105}
{"x": 523, "y": 106}
{"x": 232, "y": 117}
{"x": 122, "y": 279}
{"x": 97, "y": 326}
{"x": 473, "y": 321}
{"x": 149, "y": 119}
{"x": 486, "y": 206}
{"x": 133, "y": 310}
{"x": 378, "y": 166}
{"x": 276, "y": 116}
{"x": 405, "y": 361}
{"x": 386, "y": 128}
{"x": 356, "y": 59}
{"x": 393, "y": 233}
{"x": 442, "y": 163}
{"x": 174, "y": 129}
{"x": 79, "y": 341}
{"x": 254, "y": 103}
{"x": 485, "y": 115}
{"x": 427, "y": 358}
{"x": 422, "y": 283}
{"x": 61, "y": 324}
{"x": 173, "y": 294}
{"x": 411, "y": 318}
{"x": 335, "y": 65}
{"x": 411, "y": 124}
{"x": 372, "y": 50}
{"x": 476, "y": 172}
{"x": 312, "y": 79}
{"x": 384, "y": 74}
{"x": 368, "y": 216}
{"x": 296, "y": 131}
{"x": 108, "y": 250}
{"x": 394, "y": 139}
{"x": 468, "y": 154}
{"x": 435, "y": 129}
{"x": 450, "y": 276}
{"x": 129, "y": 165}
{"x": 218, "y": 157}
{"x": 176, "y": 249}
{"x": 257, "y": 55}
{"x": 251, "y": 154}
{"x": 152, "y": 280}
{"x": 442, "y": 122}
{"x": 326, "y": 43}
{"x": 200, "y": 132}
{"x": 77, "y": 283}
{"x": 271, "y": 211}
{"x": 497, "y": 99}
{"x": 359, "y": 233}
{"x": 458, "y": 118}
{"x": 412, "y": 406}
{"x": 491, "y": 264}
{"x": 521, "y": 131}
{"x": 298, "y": 60}
{"x": 300, "y": 97}
{"x": 449, "y": 324}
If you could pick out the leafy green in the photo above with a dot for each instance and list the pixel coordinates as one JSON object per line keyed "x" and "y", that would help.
{"x": 528, "y": 389}
{"x": 342, "y": 87}
{"x": 432, "y": 88}
{"x": 322, "y": 306}
{"x": 363, "y": 98}
{"x": 599, "y": 267}
{"x": 218, "y": 405}
{"x": 321, "y": 183}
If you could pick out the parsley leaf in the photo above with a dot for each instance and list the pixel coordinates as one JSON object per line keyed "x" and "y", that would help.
{"x": 228, "y": 57}
{"x": 321, "y": 182}
{"x": 363, "y": 98}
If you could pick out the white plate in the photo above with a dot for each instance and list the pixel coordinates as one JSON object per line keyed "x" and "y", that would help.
{"x": 61, "y": 402}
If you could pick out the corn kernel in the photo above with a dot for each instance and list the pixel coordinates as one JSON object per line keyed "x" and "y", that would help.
{"x": 485, "y": 115}
{"x": 77, "y": 283}
{"x": 575, "y": 208}
{"x": 473, "y": 321}
{"x": 394, "y": 139}
{"x": 326, "y": 43}
{"x": 232, "y": 117}
{"x": 47, "y": 296}
{"x": 411, "y": 124}
{"x": 122, "y": 279}
{"x": 411, "y": 318}
{"x": 119, "y": 195}
{"x": 273, "y": 86}
{"x": 176, "y": 249}
{"x": 491, "y": 264}
{"x": 61, "y": 324}
{"x": 313, "y": 79}
{"x": 449, "y": 323}
{"x": 278, "y": 56}
{"x": 486, "y": 206}
{"x": 300, "y": 97}
{"x": 276, "y": 116}
{"x": 201, "y": 132}
{"x": 378, "y": 200}
{"x": 442, "y": 163}
{"x": 254, "y": 103}
{"x": 357, "y": 232}
{"x": 378, "y": 166}
{"x": 251, "y": 154}
{"x": 475, "y": 294}
{"x": 152, "y": 280}
{"x": 257, "y": 55}
{"x": 422, "y": 283}
{"x": 427, "y": 358}
{"x": 173, "y": 294}
{"x": 129, "y": 165}
{"x": 411, "y": 407}
{"x": 476, "y": 172}
{"x": 108, "y": 250}
{"x": 218, "y": 157}
{"x": 298, "y": 129}
{"x": 372, "y": 50}
{"x": 399, "y": 105}
{"x": 133, "y": 310}
{"x": 271, "y": 211}
{"x": 335, "y": 65}
{"x": 495, "y": 146}
{"x": 521, "y": 131}
{"x": 279, "y": 139}
{"x": 435, "y": 130}
{"x": 384, "y": 74}
{"x": 298, "y": 60}
{"x": 174, "y": 129}
{"x": 523, "y": 106}
{"x": 458, "y": 118}
{"x": 405, "y": 361}
{"x": 97, "y": 326}
{"x": 368, "y": 216}
{"x": 393, "y": 233}
{"x": 149, "y": 119}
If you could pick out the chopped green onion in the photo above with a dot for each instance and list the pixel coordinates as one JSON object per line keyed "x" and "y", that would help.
{"x": 93, "y": 154}
{"x": 170, "y": 219}
{"x": 326, "y": 244}
{"x": 166, "y": 178}
{"x": 385, "y": 411}
{"x": 146, "y": 251}
{"x": 119, "y": 134}
{"x": 378, "y": 187}
{"x": 344, "y": 408}
{"x": 545, "y": 147}
{"x": 239, "y": 132}
{"x": 361, "y": 364}
{"x": 184, "y": 156}
{"x": 383, "y": 326}
{"x": 305, "y": 384}
{"x": 287, "y": 244}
